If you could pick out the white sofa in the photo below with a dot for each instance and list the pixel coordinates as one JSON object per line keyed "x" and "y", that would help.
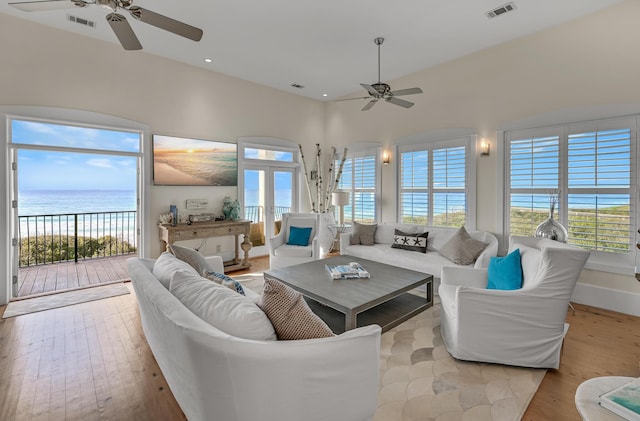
{"x": 522, "y": 327}
{"x": 214, "y": 375}
{"x": 430, "y": 262}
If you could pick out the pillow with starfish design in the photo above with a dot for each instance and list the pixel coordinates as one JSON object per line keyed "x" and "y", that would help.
{"x": 407, "y": 241}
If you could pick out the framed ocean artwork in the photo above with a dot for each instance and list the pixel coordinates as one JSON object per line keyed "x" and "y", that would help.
{"x": 179, "y": 161}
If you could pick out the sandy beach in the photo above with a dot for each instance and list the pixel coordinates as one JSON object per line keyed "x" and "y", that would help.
{"x": 166, "y": 175}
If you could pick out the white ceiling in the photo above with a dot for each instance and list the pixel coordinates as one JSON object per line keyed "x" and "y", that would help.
{"x": 326, "y": 46}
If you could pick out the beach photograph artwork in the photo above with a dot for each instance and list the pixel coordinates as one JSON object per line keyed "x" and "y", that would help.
{"x": 180, "y": 161}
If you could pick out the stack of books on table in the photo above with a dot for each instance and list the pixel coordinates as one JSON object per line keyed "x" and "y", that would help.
{"x": 351, "y": 271}
{"x": 624, "y": 400}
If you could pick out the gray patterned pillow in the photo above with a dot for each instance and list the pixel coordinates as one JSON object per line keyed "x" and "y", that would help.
{"x": 290, "y": 314}
{"x": 408, "y": 241}
{"x": 461, "y": 249}
{"x": 363, "y": 234}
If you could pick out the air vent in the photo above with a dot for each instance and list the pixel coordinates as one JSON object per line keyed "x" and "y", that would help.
{"x": 509, "y": 7}
{"x": 81, "y": 21}
{"x": 297, "y": 86}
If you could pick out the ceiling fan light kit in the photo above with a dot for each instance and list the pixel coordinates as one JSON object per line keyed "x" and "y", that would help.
{"x": 118, "y": 23}
{"x": 381, "y": 90}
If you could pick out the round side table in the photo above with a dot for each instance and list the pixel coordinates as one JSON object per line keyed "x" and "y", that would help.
{"x": 587, "y": 397}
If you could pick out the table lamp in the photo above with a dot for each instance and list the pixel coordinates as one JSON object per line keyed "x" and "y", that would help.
{"x": 340, "y": 199}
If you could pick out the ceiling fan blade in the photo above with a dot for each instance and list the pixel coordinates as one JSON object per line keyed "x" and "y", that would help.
{"x": 369, "y": 105}
{"x": 400, "y": 102}
{"x": 372, "y": 91}
{"x": 166, "y": 23}
{"x": 42, "y": 6}
{"x": 410, "y": 91}
{"x": 349, "y": 99}
{"x": 123, "y": 31}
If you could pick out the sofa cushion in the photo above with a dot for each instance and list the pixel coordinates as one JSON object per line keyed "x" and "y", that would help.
{"x": 221, "y": 307}
{"x": 287, "y": 250}
{"x": 461, "y": 249}
{"x": 363, "y": 234}
{"x": 289, "y": 313}
{"x": 299, "y": 236}
{"x": 166, "y": 265}
{"x": 505, "y": 272}
{"x": 191, "y": 256}
{"x": 224, "y": 280}
{"x": 412, "y": 242}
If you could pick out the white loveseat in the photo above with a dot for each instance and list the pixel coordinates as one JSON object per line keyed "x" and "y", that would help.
{"x": 216, "y": 376}
{"x": 430, "y": 262}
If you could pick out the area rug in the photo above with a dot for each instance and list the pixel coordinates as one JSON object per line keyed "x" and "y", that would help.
{"x": 419, "y": 380}
{"x": 47, "y": 302}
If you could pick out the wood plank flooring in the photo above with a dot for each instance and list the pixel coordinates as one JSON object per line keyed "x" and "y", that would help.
{"x": 91, "y": 362}
{"x": 55, "y": 277}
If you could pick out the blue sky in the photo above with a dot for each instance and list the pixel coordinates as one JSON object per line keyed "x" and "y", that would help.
{"x": 57, "y": 170}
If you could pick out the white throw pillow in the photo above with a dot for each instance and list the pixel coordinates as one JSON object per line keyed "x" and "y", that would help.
{"x": 168, "y": 264}
{"x": 530, "y": 260}
{"x": 221, "y": 307}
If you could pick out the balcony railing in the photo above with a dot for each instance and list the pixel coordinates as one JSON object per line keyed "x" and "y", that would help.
{"x": 256, "y": 213}
{"x": 45, "y": 239}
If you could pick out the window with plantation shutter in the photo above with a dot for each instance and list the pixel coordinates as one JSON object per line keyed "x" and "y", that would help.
{"x": 360, "y": 179}
{"x": 433, "y": 183}
{"x": 599, "y": 196}
{"x": 534, "y": 174}
{"x": 592, "y": 167}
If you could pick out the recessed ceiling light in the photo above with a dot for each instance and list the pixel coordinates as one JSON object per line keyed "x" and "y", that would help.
{"x": 325, "y": 94}
{"x": 208, "y": 60}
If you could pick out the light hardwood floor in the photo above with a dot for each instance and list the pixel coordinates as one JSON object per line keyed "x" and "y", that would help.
{"x": 91, "y": 362}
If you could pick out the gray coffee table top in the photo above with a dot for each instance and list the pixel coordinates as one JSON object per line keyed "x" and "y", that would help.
{"x": 353, "y": 296}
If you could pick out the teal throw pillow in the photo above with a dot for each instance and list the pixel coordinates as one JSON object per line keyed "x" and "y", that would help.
{"x": 505, "y": 272}
{"x": 299, "y": 236}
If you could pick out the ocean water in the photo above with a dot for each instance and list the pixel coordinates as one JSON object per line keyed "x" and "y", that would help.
{"x": 52, "y": 212}
{"x": 53, "y": 202}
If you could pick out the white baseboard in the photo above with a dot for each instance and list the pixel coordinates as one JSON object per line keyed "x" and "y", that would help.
{"x": 606, "y": 298}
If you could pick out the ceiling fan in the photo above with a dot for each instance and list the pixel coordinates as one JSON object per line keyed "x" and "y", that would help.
{"x": 380, "y": 90}
{"x": 118, "y": 23}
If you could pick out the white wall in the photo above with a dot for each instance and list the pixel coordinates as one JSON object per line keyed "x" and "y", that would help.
{"x": 587, "y": 63}
{"x": 40, "y": 66}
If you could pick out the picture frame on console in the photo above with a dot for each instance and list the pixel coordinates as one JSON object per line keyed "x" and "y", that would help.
{"x": 180, "y": 161}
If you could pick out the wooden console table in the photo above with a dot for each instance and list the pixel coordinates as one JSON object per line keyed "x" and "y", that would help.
{"x": 169, "y": 234}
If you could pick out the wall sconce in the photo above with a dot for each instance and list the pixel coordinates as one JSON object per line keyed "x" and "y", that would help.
{"x": 485, "y": 148}
{"x": 386, "y": 158}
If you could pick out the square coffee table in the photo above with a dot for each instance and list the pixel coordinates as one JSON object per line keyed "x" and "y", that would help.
{"x": 345, "y": 304}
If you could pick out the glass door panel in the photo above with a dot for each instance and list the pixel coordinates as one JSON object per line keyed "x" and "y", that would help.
{"x": 254, "y": 203}
{"x": 268, "y": 193}
{"x": 283, "y": 194}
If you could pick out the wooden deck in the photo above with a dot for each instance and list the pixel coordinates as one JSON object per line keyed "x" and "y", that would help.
{"x": 55, "y": 277}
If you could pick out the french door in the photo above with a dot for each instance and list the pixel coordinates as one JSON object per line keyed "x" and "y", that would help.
{"x": 268, "y": 193}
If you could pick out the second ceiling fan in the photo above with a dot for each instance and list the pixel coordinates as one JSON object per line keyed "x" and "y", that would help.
{"x": 118, "y": 22}
{"x": 382, "y": 91}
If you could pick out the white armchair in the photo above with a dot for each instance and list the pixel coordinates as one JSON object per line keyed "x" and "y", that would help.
{"x": 282, "y": 254}
{"x": 523, "y": 327}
